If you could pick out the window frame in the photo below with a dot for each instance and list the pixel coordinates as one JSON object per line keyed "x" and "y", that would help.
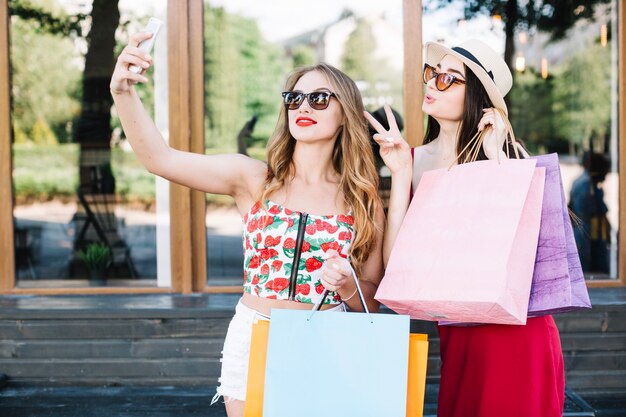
{"x": 186, "y": 113}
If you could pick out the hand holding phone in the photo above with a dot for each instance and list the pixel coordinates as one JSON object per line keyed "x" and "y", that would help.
{"x": 153, "y": 26}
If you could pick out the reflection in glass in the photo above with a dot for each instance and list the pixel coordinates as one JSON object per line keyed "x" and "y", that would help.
{"x": 592, "y": 228}
{"x": 76, "y": 181}
{"x": 250, "y": 48}
{"x": 565, "y": 101}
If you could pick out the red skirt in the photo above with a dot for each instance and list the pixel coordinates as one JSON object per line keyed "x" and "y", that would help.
{"x": 498, "y": 370}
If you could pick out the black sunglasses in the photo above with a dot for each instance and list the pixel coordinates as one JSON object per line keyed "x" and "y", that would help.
{"x": 318, "y": 100}
{"x": 443, "y": 80}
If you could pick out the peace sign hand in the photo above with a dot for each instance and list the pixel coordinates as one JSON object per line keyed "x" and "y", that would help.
{"x": 394, "y": 150}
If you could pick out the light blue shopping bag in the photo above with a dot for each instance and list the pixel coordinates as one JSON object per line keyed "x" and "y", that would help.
{"x": 336, "y": 364}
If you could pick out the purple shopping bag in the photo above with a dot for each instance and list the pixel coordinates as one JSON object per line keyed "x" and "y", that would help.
{"x": 558, "y": 281}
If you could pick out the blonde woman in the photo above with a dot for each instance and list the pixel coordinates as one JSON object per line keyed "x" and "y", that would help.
{"x": 310, "y": 213}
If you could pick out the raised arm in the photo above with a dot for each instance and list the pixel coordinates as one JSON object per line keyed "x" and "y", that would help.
{"x": 396, "y": 154}
{"x": 235, "y": 175}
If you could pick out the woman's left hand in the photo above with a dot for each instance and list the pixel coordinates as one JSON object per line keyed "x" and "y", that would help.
{"x": 495, "y": 136}
{"x": 336, "y": 271}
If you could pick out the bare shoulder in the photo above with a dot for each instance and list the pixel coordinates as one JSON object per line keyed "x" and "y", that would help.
{"x": 424, "y": 159}
{"x": 425, "y": 149}
{"x": 252, "y": 166}
{"x": 254, "y": 173}
{"x": 421, "y": 153}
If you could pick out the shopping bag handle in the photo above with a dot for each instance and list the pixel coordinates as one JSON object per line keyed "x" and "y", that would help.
{"x": 476, "y": 142}
{"x": 320, "y": 302}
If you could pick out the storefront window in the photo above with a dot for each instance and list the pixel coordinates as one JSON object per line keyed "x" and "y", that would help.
{"x": 79, "y": 188}
{"x": 564, "y": 100}
{"x": 250, "y": 47}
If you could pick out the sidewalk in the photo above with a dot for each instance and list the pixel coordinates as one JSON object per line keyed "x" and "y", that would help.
{"x": 109, "y": 402}
{"x": 127, "y": 402}
{"x": 185, "y": 401}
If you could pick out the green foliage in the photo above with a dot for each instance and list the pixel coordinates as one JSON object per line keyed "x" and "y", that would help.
{"x": 583, "y": 96}
{"x": 132, "y": 181}
{"x": 96, "y": 256}
{"x": 46, "y": 20}
{"x": 555, "y": 17}
{"x": 41, "y": 134}
{"x": 19, "y": 136}
{"x": 243, "y": 74}
{"x": 569, "y": 109}
{"x": 532, "y": 111}
{"x": 46, "y": 172}
{"x": 45, "y": 76}
{"x": 223, "y": 91}
{"x": 302, "y": 56}
{"x": 358, "y": 60}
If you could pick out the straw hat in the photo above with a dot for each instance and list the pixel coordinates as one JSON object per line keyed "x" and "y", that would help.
{"x": 484, "y": 62}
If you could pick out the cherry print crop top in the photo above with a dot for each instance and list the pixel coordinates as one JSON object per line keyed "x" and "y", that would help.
{"x": 284, "y": 251}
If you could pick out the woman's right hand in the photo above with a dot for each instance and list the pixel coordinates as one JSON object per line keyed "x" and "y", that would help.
{"x": 123, "y": 78}
{"x": 394, "y": 150}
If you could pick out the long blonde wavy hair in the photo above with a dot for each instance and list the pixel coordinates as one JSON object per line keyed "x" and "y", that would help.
{"x": 352, "y": 159}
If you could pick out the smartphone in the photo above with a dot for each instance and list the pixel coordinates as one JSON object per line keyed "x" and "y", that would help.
{"x": 153, "y": 26}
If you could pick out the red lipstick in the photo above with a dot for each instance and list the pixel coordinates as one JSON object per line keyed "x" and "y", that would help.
{"x": 305, "y": 121}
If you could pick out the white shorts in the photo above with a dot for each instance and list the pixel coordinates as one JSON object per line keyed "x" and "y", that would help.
{"x": 236, "y": 352}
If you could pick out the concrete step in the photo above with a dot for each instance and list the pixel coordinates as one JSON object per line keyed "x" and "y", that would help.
{"x": 595, "y": 320}
{"x": 125, "y": 328}
{"x": 153, "y": 339}
{"x": 593, "y": 361}
{"x": 151, "y": 348}
{"x": 597, "y": 380}
{"x": 105, "y": 369}
{"x": 593, "y": 341}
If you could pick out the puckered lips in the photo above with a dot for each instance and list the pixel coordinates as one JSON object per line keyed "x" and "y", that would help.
{"x": 429, "y": 99}
{"x": 304, "y": 121}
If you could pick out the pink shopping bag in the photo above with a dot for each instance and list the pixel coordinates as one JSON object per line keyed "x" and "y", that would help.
{"x": 466, "y": 249}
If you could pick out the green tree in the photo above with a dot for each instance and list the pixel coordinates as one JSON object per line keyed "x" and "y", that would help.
{"x": 243, "y": 74}
{"x": 358, "y": 59}
{"x": 551, "y": 16}
{"x": 263, "y": 69}
{"x": 92, "y": 129}
{"x": 223, "y": 92}
{"x": 19, "y": 136}
{"x": 41, "y": 134}
{"x": 583, "y": 98}
{"x": 303, "y": 55}
{"x": 45, "y": 76}
{"x": 47, "y": 16}
{"x": 93, "y": 126}
{"x": 532, "y": 112}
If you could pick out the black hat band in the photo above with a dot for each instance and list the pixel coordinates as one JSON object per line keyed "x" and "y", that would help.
{"x": 467, "y": 54}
